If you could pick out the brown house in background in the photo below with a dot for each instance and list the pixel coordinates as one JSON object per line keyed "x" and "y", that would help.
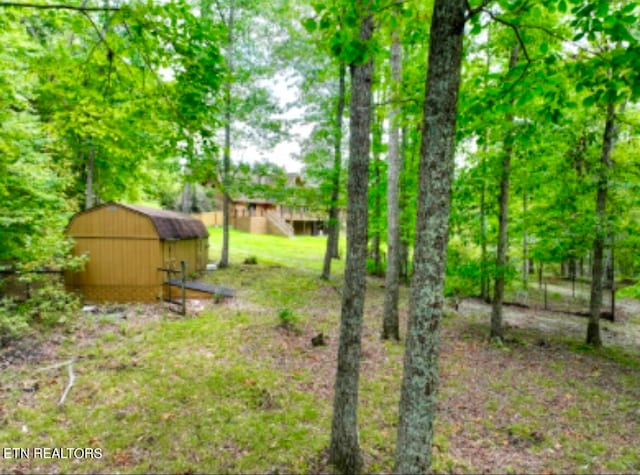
{"x": 266, "y": 217}
{"x": 126, "y": 245}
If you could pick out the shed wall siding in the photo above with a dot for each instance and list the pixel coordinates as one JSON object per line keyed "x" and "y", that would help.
{"x": 125, "y": 252}
{"x": 119, "y": 262}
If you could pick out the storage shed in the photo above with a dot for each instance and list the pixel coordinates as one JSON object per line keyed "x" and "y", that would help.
{"x": 127, "y": 246}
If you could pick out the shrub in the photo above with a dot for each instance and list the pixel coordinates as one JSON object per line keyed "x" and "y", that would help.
{"x": 13, "y": 324}
{"x": 251, "y": 260}
{"x": 51, "y": 305}
{"x": 48, "y": 305}
{"x": 288, "y": 319}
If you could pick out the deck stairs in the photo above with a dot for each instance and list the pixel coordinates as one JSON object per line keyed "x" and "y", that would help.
{"x": 284, "y": 228}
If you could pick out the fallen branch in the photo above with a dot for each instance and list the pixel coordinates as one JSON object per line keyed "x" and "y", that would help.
{"x": 72, "y": 378}
{"x": 57, "y": 365}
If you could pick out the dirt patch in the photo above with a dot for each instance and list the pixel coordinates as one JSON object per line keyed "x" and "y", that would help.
{"x": 624, "y": 332}
{"x": 27, "y": 351}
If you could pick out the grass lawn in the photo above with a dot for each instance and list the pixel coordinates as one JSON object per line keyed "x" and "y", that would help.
{"x": 299, "y": 252}
{"x": 228, "y": 389}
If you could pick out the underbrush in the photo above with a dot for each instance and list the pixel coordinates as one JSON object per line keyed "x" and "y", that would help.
{"x": 46, "y": 306}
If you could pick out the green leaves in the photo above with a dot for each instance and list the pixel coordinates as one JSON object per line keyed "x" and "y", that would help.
{"x": 338, "y": 29}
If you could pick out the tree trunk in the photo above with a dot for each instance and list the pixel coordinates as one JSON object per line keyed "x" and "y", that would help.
{"x": 540, "y": 271}
{"x": 525, "y": 243}
{"x": 185, "y": 205}
{"x": 420, "y": 376}
{"x": 390, "y": 321}
{"x": 226, "y": 157}
{"x": 404, "y": 198}
{"x": 485, "y": 285}
{"x": 333, "y": 236}
{"x": 497, "y": 331}
{"x": 91, "y": 165}
{"x": 609, "y": 266}
{"x": 484, "y": 271}
{"x": 597, "y": 270}
{"x": 613, "y": 280}
{"x": 377, "y": 202}
{"x": 344, "y": 452}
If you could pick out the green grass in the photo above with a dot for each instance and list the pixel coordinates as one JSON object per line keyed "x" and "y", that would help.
{"x": 173, "y": 396}
{"x": 299, "y": 252}
{"x": 232, "y": 390}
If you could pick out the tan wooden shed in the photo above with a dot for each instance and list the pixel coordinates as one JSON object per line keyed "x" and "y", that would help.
{"x": 127, "y": 246}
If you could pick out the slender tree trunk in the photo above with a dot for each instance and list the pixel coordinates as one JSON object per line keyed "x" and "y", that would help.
{"x": 540, "y": 270}
{"x": 597, "y": 270}
{"x": 377, "y": 202}
{"x": 484, "y": 271}
{"x": 420, "y": 376}
{"x": 375, "y": 223}
{"x": 226, "y": 157}
{"x": 333, "y": 236}
{"x": 404, "y": 197}
{"x": 609, "y": 265}
{"x": 186, "y": 198}
{"x": 344, "y": 452}
{"x": 497, "y": 331}
{"x": 613, "y": 280}
{"x": 525, "y": 243}
{"x": 91, "y": 165}
{"x": 485, "y": 290}
{"x": 390, "y": 321}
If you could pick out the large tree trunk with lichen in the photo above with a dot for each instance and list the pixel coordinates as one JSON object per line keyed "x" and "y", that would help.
{"x": 420, "y": 375}
{"x": 597, "y": 269}
{"x": 497, "y": 331}
{"x": 333, "y": 235}
{"x": 390, "y": 321}
{"x": 344, "y": 451}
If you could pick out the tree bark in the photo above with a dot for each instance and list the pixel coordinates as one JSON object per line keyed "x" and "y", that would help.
{"x": 226, "y": 157}
{"x": 597, "y": 269}
{"x": 390, "y": 320}
{"x": 333, "y": 236}
{"x": 344, "y": 452}
{"x": 420, "y": 376}
{"x": 497, "y": 331}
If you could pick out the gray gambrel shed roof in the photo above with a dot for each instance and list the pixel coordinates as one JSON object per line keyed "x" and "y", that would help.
{"x": 168, "y": 224}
